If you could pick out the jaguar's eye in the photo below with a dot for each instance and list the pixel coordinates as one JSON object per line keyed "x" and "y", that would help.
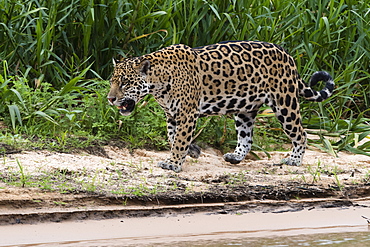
{"x": 123, "y": 79}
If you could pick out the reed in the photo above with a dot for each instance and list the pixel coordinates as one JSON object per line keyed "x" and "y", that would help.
{"x": 56, "y": 41}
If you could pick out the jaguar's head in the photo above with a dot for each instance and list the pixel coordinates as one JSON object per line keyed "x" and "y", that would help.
{"x": 128, "y": 84}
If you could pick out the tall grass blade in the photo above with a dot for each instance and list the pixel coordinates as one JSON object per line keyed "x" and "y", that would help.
{"x": 15, "y": 115}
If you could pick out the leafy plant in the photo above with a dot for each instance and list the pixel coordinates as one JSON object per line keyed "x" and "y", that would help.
{"x": 56, "y": 54}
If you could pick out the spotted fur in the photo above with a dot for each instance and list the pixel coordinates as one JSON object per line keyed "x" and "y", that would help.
{"x": 234, "y": 77}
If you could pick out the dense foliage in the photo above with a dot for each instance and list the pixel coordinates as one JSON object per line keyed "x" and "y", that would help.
{"x": 56, "y": 55}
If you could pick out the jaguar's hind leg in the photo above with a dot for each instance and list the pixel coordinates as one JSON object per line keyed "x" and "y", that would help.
{"x": 291, "y": 123}
{"x": 244, "y": 127}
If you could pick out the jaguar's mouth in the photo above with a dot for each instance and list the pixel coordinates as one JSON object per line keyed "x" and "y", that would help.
{"x": 126, "y": 107}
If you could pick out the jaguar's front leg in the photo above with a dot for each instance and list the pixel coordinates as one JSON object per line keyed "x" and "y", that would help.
{"x": 181, "y": 139}
{"x": 171, "y": 129}
{"x": 193, "y": 151}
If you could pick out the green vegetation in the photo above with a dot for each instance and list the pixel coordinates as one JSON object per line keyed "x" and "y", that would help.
{"x": 55, "y": 58}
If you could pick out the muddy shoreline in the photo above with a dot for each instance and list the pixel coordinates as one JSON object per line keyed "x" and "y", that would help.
{"x": 115, "y": 182}
{"x": 52, "y": 207}
{"x": 239, "y": 225}
{"x": 91, "y": 208}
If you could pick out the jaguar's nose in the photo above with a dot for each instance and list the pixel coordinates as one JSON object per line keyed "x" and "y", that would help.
{"x": 111, "y": 99}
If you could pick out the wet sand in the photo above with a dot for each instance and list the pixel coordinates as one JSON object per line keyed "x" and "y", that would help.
{"x": 173, "y": 229}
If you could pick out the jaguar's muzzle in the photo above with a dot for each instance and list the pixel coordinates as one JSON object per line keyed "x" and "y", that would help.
{"x": 126, "y": 107}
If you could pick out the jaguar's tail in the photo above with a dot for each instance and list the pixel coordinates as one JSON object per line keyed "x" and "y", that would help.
{"x": 321, "y": 95}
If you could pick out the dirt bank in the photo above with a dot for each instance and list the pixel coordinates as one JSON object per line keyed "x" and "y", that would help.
{"x": 108, "y": 182}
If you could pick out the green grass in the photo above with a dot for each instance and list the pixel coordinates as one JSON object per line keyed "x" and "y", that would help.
{"x": 56, "y": 55}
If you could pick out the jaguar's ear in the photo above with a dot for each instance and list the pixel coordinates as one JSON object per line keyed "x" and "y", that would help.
{"x": 144, "y": 66}
{"x": 114, "y": 62}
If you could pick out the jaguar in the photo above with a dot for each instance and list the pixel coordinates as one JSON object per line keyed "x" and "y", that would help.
{"x": 231, "y": 77}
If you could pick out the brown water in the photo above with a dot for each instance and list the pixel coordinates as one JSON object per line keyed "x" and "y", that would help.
{"x": 315, "y": 227}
